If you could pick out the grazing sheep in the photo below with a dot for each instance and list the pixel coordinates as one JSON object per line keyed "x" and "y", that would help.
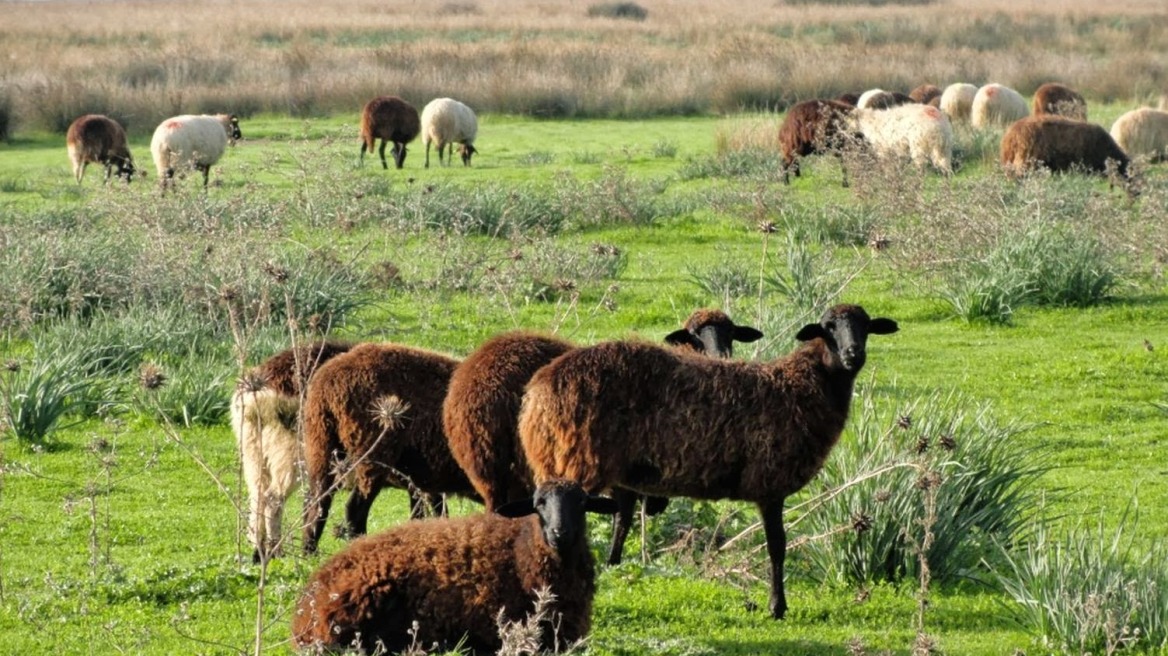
{"x": 849, "y": 99}
{"x": 100, "y": 139}
{"x": 1060, "y": 144}
{"x": 957, "y": 101}
{"x": 926, "y": 94}
{"x": 377, "y": 410}
{"x": 264, "y": 415}
{"x": 447, "y": 122}
{"x": 921, "y": 133}
{"x": 876, "y": 99}
{"x": 457, "y": 578}
{"x": 481, "y": 410}
{"x": 813, "y": 127}
{"x": 663, "y": 422}
{"x": 1142, "y": 132}
{"x": 390, "y": 119}
{"x": 185, "y": 142}
{"x": 995, "y": 105}
{"x": 1059, "y": 99}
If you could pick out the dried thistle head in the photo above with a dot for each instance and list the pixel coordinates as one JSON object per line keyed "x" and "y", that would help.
{"x": 767, "y": 227}
{"x": 150, "y": 377}
{"x": 861, "y": 523}
{"x": 12, "y": 366}
{"x": 904, "y": 422}
{"x": 928, "y": 480}
{"x": 277, "y": 272}
{"x": 883, "y": 495}
{"x": 228, "y": 293}
{"x": 606, "y": 249}
{"x": 252, "y": 381}
{"x": 922, "y": 445}
{"x": 390, "y": 411}
{"x": 947, "y": 442}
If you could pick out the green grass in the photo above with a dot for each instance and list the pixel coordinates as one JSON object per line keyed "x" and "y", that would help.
{"x": 118, "y": 540}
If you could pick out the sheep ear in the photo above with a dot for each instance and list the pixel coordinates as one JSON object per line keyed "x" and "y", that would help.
{"x": 520, "y": 508}
{"x": 601, "y": 505}
{"x": 683, "y": 337}
{"x": 882, "y": 326}
{"x": 746, "y": 334}
{"x": 810, "y": 332}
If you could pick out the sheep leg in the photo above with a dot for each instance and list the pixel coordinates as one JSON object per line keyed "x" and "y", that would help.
{"x": 776, "y": 537}
{"x": 357, "y": 512}
{"x": 428, "y": 155}
{"x": 206, "y": 169}
{"x": 381, "y": 151}
{"x": 399, "y": 154}
{"x": 622, "y": 521}
{"x": 316, "y": 510}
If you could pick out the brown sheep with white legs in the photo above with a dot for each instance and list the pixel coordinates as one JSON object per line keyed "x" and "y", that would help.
{"x": 815, "y": 127}
{"x": 1061, "y": 144}
{"x": 481, "y": 411}
{"x": 457, "y": 578}
{"x": 1061, "y": 100}
{"x": 265, "y": 411}
{"x": 99, "y": 139}
{"x": 377, "y": 411}
{"x": 662, "y": 422}
{"x": 392, "y": 120}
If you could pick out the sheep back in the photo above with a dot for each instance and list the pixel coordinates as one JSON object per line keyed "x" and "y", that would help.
{"x": 957, "y": 101}
{"x": 448, "y": 121}
{"x": 996, "y": 105}
{"x": 1059, "y": 144}
{"x": 100, "y": 139}
{"x": 285, "y": 371}
{"x": 189, "y": 141}
{"x": 1142, "y": 133}
{"x": 1059, "y": 99}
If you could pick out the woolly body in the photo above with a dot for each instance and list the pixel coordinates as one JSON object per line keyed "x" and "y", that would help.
{"x": 1059, "y": 99}
{"x": 1059, "y": 144}
{"x": 191, "y": 142}
{"x": 1142, "y": 132}
{"x": 813, "y": 127}
{"x": 446, "y": 122}
{"x": 957, "y": 101}
{"x": 921, "y": 133}
{"x": 392, "y": 120}
{"x": 99, "y": 139}
{"x": 995, "y": 105}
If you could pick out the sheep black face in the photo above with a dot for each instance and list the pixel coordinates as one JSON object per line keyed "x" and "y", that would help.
{"x": 561, "y": 505}
{"x": 713, "y": 334}
{"x": 845, "y": 330}
{"x": 125, "y": 166}
{"x": 233, "y": 133}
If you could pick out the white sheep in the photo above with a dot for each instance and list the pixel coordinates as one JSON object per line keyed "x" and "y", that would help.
{"x": 446, "y": 122}
{"x": 1142, "y": 132}
{"x": 996, "y": 105}
{"x": 188, "y": 141}
{"x": 920, "y": 133}
{"x": 957, "y": 100}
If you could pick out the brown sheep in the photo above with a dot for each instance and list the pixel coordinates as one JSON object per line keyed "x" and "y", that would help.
{"x": 100, "y": 139}
{"x": 377, "y": 410}
{"x": 390, "y": 119}
{"x": 265, "y": 411}
{"x": 1061, "y": 100}
{"x": 926, "y": 94}
{"x": 848, "y": 98}
{"x": 663, "y": 422}
{"x": 481, "y": 410}
{"x": 1061, "y": 144}
{"x": 456, "y": 578}
{"x": 814, "y": 127}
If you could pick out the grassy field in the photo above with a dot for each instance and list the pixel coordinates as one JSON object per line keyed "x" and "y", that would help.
{"x": 1032, "y": 314}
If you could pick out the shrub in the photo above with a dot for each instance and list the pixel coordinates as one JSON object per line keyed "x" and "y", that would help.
{"x": 34, "y": 398}
{"x": 626, "y": 10}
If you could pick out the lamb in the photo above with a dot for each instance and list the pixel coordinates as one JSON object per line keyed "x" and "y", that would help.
{"x": 481, "y": 409}
{"x": 188, "y": 141}
{"x": 1060, "y": 144}
{"x": 995, "y": 105}
{"x": 1055, "y": 98}
{"x": 458, "y": 577}
{"x": 100, "y": 139}
{"x": 1142, "y": 132}
{"x": 926, "y": 94}
{"x": 378, "y": 407}
{"x": 447, "y": 122}
{"x": 813, "y": 127}
{"x": 265, "y": 411}
{"x": 920, "y": 133}
{"x": 957, "y": 101}
{"x": 663, "y": 422}
{"x": 390, "y": 119}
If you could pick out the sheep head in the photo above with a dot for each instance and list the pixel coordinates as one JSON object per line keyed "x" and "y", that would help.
{"x": 845, "y": 329}
{"x": 713, "y": 333}
{"x": 466, "y": 151}
{"x": 561, "y": 505}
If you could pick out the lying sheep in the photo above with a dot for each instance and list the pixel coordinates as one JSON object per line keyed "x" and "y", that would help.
{"x": 99, "y": 139}
{"x": 265, "y": 410}
{"x": 957, "y": 101}
{"x": 995, "y": 105}
{"x": 1142, "y": 133}
{"x": 1059, "y": 99}
{"x": 1060, "y": 144}
{"x": 926, "y": 94}
{"x": 456, "y": 579}
{"x": 392, "y": 120}
{"x": 668, "y": 423}
{"x": 920, "y": 133}
{"x": 186, "y": 142}
{"x": 814, "y": 127}
{"x": 377, "y": 410}
{"x": 447, "y": 122}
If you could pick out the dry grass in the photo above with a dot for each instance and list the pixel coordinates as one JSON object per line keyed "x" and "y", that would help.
{"x": 142, "y": 61}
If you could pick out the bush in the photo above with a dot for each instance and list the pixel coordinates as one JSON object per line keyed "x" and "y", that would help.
{"x": 626, "y": 10}
{"x": 34, "y": 398}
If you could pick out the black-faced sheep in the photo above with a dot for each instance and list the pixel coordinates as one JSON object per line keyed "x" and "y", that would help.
{"x": 99, "y": 139}
{"x": 813, "y": 127}
{"x": 1059, "y": 99}
{"x": 663, "y": 422}
{"x": 446, "y": 122}
{"x": 265, "y": 409}
{"x": 957, "y": 101}
{"x": 186, "y": 142}
{"x": 920, "y": 133}
{"x": 995, "y": 105}
{"x": 926, "y": 94}
{"x": 456, "y": 578}
{"x": 1060, "y": 144}
{"x": 876, "y": 99}
{"x": 392, "y": 120}
{"x": 377, "y": 410}
{"x": 1142, "y": 133}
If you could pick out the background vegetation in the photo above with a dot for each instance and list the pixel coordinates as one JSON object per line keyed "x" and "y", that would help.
{"x": 1001, "y": 486}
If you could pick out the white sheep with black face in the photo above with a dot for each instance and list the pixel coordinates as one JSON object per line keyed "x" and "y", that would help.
{"x": 446, "y": 122}
{"x": 188, "y": 142}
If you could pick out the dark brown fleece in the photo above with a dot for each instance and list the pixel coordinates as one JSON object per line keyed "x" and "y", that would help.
{"x": 1061, "y": 100}
{"x": 925, "y": 94}
{"x": 281, "y": 373}
{"x": 100, "y": 139}
{"x": 1059, "y": 144}
{"x": 392, "y": 120}
{"x": 813, "y": 127}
